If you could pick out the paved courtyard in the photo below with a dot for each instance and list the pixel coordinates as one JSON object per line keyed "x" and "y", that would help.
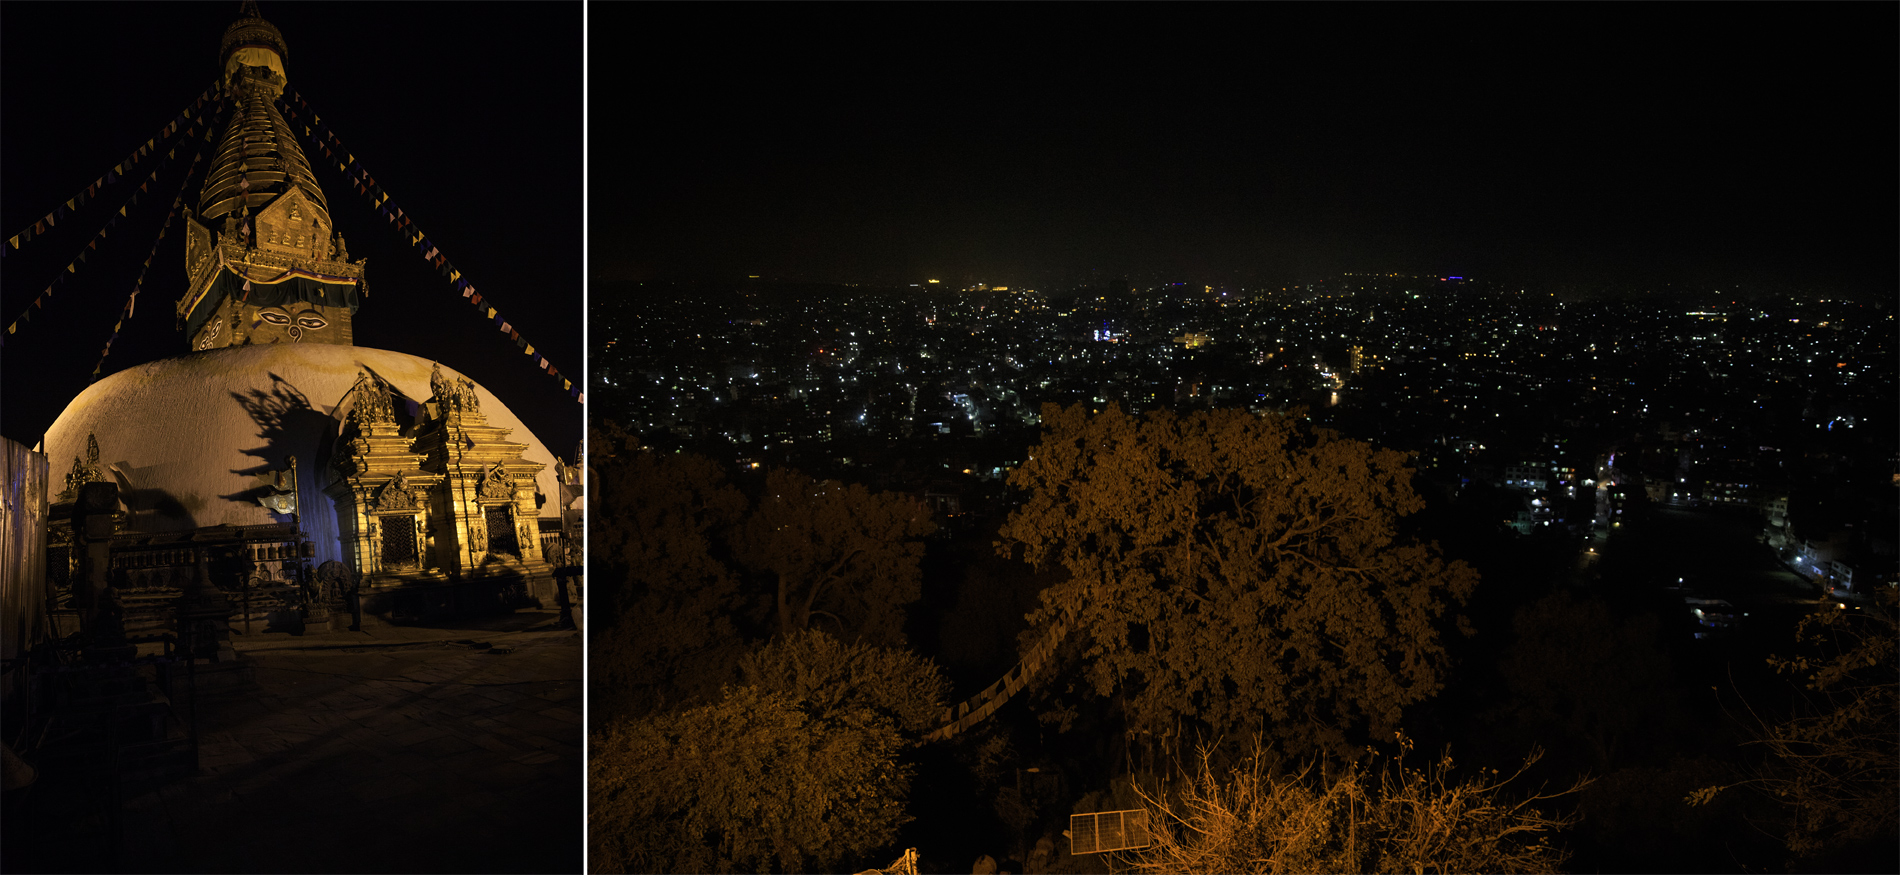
{"x": 391, "y": 750}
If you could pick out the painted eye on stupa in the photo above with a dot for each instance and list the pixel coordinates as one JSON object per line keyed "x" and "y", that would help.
{"x": 274, "y": 315}
{"x": 310, "y": 320}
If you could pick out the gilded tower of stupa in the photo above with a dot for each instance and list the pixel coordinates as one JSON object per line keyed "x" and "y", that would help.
{"x": 264, "y": 261}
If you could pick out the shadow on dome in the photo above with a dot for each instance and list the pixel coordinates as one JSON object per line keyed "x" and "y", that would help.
{"x": 150, "y": 510}
{"x": 289, "y": 426}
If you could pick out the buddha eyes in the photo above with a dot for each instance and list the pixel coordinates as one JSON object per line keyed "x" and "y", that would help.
{"x": 308, "y": 319}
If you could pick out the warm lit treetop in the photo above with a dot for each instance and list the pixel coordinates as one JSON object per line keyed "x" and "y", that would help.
{"x": 1243, "y": 570}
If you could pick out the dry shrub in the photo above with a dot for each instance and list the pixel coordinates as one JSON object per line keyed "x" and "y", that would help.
{"x": 1358, "y": 817}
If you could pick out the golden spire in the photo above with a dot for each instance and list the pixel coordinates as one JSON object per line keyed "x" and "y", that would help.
{"x": 264, "y": 260}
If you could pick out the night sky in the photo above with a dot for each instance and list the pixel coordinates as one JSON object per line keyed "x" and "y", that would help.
{"x": 469, "y": 115}
{"x": 1617, "y": 144}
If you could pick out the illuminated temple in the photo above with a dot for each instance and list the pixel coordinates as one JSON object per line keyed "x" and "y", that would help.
{"x": 274, "y": 457}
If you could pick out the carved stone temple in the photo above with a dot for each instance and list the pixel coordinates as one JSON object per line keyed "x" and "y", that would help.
{"x": 274, "y": 456}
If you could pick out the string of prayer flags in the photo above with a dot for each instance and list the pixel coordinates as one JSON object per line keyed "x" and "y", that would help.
{"x": 322, "y": 138}
{"x": 131, "y": 300}
{"x": 117, "y": 172}
{"x": 92, "y": 244}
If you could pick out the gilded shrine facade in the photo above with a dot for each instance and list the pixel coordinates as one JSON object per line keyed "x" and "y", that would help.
{"x": 442, "y": 495}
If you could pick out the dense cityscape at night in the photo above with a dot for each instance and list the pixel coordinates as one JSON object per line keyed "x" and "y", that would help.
{"x": 1688, "y": 471}
{"x": 1350, "y": 438}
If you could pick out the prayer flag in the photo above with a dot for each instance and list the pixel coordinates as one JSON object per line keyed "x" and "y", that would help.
{"x": 507, "y": 329}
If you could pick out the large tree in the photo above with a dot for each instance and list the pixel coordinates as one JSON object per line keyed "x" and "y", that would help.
{"x": 797, "y": 769}
{"x": 836, "y": 551}
{"x": 1241, "y": 570}
{"x": 665, "y": 590}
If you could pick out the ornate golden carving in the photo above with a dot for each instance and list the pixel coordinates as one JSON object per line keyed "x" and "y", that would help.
{"x": 498, "y": 484}
{"x": 395, "y": 496}
{"x": 84, "y": 472}
{"x": 372, "y": 400}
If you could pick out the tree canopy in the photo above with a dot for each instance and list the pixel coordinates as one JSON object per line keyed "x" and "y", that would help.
{"x": 838, "y": 551}
{"x": 797, "y": 769}
{"x": 1238, "y": 569}
{"x": 666, "y": 591}
{"x": 690, "y": 567}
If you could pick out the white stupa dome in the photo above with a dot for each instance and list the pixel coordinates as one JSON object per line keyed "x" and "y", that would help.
{"x": 190, "y": 439}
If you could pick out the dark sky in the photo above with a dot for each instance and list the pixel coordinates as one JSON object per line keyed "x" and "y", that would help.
{"x": 1638, "y": 143}
{"x": 470, "y": 115}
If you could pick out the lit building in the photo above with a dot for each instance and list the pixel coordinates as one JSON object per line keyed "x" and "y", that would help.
{"x": 275, "y": 456}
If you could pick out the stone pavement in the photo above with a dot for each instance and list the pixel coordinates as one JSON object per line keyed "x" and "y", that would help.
{"x": 398, "y": 749}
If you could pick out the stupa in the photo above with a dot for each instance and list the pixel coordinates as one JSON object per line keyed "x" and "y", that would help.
{"x": 276, "y": 434}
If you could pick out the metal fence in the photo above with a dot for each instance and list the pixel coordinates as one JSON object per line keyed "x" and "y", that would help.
{"x": 1102, "y": 831}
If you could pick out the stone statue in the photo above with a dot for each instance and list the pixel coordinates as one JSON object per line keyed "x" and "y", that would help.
{"x": 443, "y": 390}
{"x": 465, "y": 395}
{"x": 372, "y": 400}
